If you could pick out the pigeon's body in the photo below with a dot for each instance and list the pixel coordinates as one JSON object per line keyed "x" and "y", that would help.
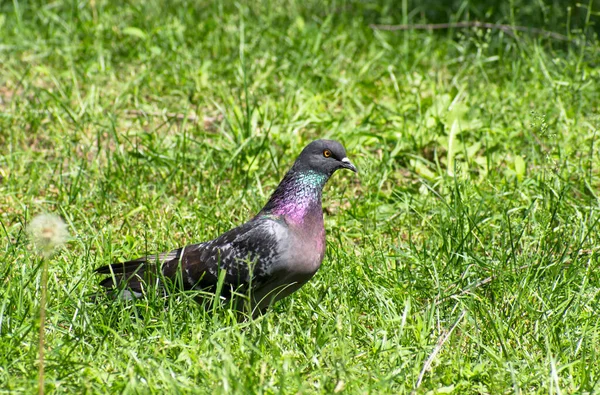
{"x": 272, "y": 255}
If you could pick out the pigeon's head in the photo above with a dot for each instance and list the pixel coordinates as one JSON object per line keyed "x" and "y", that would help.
{"x": 324, "y": 156}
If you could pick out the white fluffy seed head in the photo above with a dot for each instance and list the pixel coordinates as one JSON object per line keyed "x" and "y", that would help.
{"x": 47, "y": 232}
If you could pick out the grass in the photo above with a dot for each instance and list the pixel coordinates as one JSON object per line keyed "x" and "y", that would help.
{"x": 462, "y": 259}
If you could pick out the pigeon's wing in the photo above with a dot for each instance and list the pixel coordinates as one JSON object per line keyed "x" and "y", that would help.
{"x": 244, "y": 255}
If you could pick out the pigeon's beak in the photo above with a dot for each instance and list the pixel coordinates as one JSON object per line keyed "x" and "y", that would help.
{"x": 346, "y": 164}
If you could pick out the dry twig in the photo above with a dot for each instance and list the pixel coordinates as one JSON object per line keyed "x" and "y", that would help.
{"x": 438, "y": 347}
{"x": 188, "y": 117}
{"x": 209, "y": 122}
{"x": 482, "y": 25}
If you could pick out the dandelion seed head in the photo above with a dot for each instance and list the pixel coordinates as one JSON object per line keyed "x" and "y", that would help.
{"x": 48, "y": 232}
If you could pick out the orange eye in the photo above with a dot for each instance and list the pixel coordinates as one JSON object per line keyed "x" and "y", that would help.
{"x": 327, "y": 153}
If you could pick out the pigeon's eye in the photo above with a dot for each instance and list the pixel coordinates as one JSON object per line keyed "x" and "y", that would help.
{"x": 327, "y": 153}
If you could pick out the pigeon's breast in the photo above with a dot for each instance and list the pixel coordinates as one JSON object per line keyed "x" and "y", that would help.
{"x": 299, "y": 249}
{"x": 299, "y": 252}
{"x": 309, "y": 247}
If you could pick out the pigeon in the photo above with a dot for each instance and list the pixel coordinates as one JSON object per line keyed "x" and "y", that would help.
{"x": 265, "y": 259}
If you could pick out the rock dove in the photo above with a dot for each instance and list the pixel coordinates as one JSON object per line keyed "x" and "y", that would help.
{"x": 266, "y": 258}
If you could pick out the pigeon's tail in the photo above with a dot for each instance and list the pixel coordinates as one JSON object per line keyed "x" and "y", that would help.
{"x": 131, "y": 273}
{"x": 136, "y": 276}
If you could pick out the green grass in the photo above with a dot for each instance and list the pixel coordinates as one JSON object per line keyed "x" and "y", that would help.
{"x": 468, "y": 243}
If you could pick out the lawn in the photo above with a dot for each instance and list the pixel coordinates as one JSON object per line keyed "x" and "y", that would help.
{"x": 463, "y": 258}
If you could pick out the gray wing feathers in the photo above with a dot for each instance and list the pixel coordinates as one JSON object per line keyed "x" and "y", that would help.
{"x": 247, "y": 254}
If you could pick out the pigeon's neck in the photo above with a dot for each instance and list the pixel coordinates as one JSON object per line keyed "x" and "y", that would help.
{"x": 298, "y": 196}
